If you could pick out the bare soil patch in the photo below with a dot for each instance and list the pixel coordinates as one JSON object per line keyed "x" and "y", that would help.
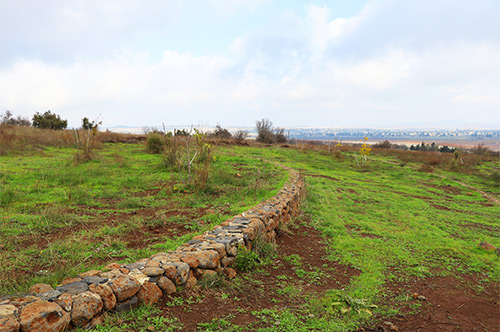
{"x": 461, "y": 303}
{"x": 261, "y": 290}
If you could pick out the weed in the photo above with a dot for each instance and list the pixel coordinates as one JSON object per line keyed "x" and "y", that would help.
{"x": 246, "y": 259}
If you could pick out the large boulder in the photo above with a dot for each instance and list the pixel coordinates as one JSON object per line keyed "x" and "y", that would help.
{"x": 44, "y": 316}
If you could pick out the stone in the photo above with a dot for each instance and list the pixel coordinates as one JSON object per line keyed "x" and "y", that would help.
{"x": 191, "y": 281}
{"x": 182, "y": 273}
{"x": 127, "y": 305}
{"x": 95, "y": 280}
{"x": 111, "y": 274}
{"x": 44, "y": 316}
{"x": 70, "y": 280}
{"x": 124, "y": 287}
{"x": 40, "y": 288}
{"x": 153, "y": 271}
{"x": 124, "y": 270}
{"x": 227, "y": 261}
{"x": 112, "y": 266}
{"x": 170, "y": 270}
{"x": 74, "y": 288}
{"x": 208, "y": 259}
{"x": 230, "y": 272}
{"x": 91, "y": 273}
{"x": 139, "y": 276}
{"x": 152, "y": 263}
{"x": 50, "y": 296}
{"x": 149, "y": 293}
{"x": 106, "y": 293}
{"x": 65, "y": 301}
{"x": 192, "y": 261}
{"x": 133, "y": 266}
{"x": 8, "y": 320}
{"x": 85, "y": 307}
{"x": 166, "y": 285}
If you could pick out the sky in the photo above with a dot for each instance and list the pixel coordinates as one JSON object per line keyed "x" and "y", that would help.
{"x": 337, "y": 63}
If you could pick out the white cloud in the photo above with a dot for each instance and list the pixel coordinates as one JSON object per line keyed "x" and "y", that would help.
{"x": 395, "y": 61}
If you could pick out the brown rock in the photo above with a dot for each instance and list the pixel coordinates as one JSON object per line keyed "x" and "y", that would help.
{"x": 124, "y": 287}
{"x": 44, "y": 316}
{"x": 65, "y": 300}
{"x": 91, "y": 273}
{"x": 230, "y": 272}
{"x": 112, "y": 266}
{"x": 166, "y": 285}
{"x": 153, "y": 271}
{"x": 227, "y": 261}
{"x": 40, "y": 288}
{"x": 152, "y": 263}
{"x": 106, "y": 293}
{"x": 8, "y": 321}
{"x": 149, "y": 293}
{"x": 193, "y": 262}
{"x": 208, "y": 259}
{"x": 70, "y": 281}
{"x": 170, "y": 270}
{"x": 111, "y": 274}
{"x": 124, "y": 270}
{"x": 85, "y": 307}
{"x": 191, "y": 281}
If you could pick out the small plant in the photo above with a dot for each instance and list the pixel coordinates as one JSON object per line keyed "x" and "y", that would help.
{"x": 246, "y": 259}
{"x": 86, "y": 140}
{"x": 345, "y": 304}
{"x": 364, "y": 152}
{"x": 155, "y": 143}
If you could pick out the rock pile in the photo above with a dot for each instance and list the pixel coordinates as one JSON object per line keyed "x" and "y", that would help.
{"x": 82, "y": 301}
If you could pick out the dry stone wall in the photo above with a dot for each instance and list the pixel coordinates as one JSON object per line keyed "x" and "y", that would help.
{"x": 83, "y": 300}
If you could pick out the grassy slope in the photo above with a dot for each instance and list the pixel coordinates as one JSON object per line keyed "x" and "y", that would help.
{"x": 392, "y": 222}
{"x": 55, "y": 214}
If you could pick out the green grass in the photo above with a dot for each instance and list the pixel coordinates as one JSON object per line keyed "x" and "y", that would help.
{"x": 56, "y": 214}
{"x": 392, "y": 222}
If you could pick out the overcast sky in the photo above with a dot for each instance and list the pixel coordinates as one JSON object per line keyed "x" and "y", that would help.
{"x": 330, "y": 63}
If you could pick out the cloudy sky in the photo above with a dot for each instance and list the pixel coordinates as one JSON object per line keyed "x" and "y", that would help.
{"x": 330, "y": 63}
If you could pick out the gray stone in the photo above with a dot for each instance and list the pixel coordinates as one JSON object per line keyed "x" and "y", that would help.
{"x": 74, "y": 288}
{"x": 136, "y": 265}
{"x": 50, "y": 296}
{"x": 95, "y": 280}
{"x": 127, "y": 305}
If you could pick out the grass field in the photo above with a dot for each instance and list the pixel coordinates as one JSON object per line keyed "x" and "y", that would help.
{"x": 59, "y": 218}
{"x": 398, "y": 224}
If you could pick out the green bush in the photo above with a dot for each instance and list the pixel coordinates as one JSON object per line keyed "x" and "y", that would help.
{"x": 155, "y": 143}
{"x": 49, "y": 120}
